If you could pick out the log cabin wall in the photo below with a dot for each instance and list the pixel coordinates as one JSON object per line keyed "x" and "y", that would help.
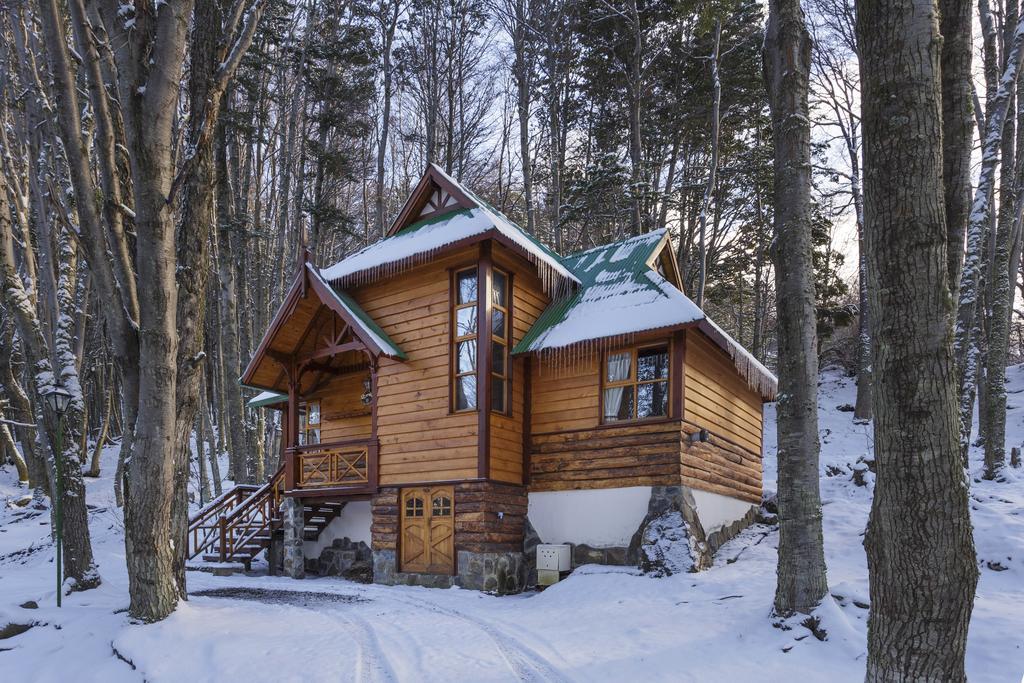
{"x": 719, "y": 466}
{"x": 421, "y": 439}
{"x": 635, "y": 454}
{"x": 342, "y": 415}
{"x": 528, "y": 301}
{"x": 478, "y": 527}
{"x": 571, "y": 449}
{"x": 717, "y": 398}
{"x": 564, "y": 394}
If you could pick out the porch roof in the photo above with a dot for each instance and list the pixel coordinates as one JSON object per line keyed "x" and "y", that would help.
{"x": 267, "y": 398}
{"x": 301, "y": 323}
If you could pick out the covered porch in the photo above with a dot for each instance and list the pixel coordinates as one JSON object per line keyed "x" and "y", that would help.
{"x": 318, "y": 364}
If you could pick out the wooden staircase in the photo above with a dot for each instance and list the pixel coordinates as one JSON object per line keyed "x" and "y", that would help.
{"x": 317, "y": 516}
{"x": 239, "y": 525}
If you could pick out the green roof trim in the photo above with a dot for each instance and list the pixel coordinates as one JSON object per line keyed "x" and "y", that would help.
{"x": 429, "y": 220}
{"x": 388, "y": 345}
{"x": 266, "y": 398}
{"x": 598, "y": 269}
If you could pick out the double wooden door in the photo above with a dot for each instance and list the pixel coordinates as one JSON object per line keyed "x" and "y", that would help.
{"x": 428, "y": 530}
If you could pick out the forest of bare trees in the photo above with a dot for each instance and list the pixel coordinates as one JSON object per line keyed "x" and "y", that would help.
{"x": 165, "y": 162}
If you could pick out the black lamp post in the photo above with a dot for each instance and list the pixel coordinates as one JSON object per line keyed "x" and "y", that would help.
{"x": 58, "y": 398}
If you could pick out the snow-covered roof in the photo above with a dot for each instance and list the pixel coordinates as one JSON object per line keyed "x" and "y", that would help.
{"x": 370, "y": 330}
{"x": 421, "y": 239}
{"x": 621, "y": 294}
{"x": 267, "y": 398}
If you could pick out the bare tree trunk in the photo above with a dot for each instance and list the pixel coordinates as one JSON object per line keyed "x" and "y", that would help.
{"x": 101, "y": 438}
{"x": 211, "y": 444}
{"x": 635, "y": 96}
{"x": 787, "y": 62}
{"x": 966, "y": 343}
{"x": 957, "y": 128}
{"x": 920, "y": 551}
{"x": 50, "y": 360}
{"x": 388, "y": 23}
{"x": 863, "y": 407}
{"x": 7, "y": 445}
{"x": 230, "y": 353}
{"x": 204, "y": 477}
{"x": 709, "y": 189}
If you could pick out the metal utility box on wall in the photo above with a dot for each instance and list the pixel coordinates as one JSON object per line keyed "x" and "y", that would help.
{"x": 552, "y": 562}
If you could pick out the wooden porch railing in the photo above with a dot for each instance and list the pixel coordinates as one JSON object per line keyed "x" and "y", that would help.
{"x": 237, "y": 521}
{"x": 340, "y": 464}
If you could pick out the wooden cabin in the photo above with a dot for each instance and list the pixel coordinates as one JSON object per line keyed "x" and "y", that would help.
{"x": 456, "y": 393}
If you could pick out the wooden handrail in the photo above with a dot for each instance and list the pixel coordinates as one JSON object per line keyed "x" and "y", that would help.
{"x": 332, "y": 465}
{"x": 332, "y": 444}
{"x": 235, "y": 518}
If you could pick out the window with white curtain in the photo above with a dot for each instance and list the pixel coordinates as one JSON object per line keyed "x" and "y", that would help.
{"x": 636, "y": 384}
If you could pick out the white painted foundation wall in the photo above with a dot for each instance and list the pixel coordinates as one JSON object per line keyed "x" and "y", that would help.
{"x": 716, "y": 511}
{"x": 354, "y": 522}
{"x": 601, "y": 518}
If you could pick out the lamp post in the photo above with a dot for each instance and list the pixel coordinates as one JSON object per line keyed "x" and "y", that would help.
{"x": 58, "y": 398}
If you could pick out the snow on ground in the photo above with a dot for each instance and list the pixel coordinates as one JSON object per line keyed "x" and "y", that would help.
{"x": 601, "y": 624}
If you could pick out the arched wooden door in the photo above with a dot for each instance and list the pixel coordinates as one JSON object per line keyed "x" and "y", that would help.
{"x": 428, "y": 530}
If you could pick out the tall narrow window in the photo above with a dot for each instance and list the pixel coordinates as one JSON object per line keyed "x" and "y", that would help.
{"x": 636, "y": 384}
{"x": 309, "y": 423}
{"x": 500, "y": 333}
{"x": 465, "y": 340}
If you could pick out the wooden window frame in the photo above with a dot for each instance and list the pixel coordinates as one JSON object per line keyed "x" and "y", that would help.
{"x": 634, "y": 382}
{"x": 505, "y": 342}
{"x": 305, "y": 426}
{"x": 456, "y": 339}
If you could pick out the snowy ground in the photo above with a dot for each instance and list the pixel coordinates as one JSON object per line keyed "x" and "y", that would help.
{"x": 600, "y": 624}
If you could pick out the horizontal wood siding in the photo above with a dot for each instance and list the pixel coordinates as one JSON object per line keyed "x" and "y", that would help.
{"x": 719, "y": 466}
{"x": 639, "y": 454}
{"x": 342, "y": 415}
{"x": 716, "y": 398}
{"x": 384, "y": 520}
{"x": 528, "y": 301}
{"x": 420, "y": 439}
{"x": 478, "y": 528}
{"x": 564, "y": 394}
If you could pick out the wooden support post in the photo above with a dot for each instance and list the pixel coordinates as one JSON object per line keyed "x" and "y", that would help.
{"x": 527, "y": 417}
{"x": 483, "y": 360}
{"x": 222, "y": 523}
{"x": 677, "y": 373}
{"x": 373, "y": 450}
{"x": 293, "y": 428}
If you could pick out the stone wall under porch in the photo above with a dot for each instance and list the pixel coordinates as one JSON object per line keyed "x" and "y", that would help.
{"x": 489, "y": 528}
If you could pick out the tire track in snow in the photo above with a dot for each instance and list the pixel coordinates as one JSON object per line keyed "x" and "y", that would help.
{"x": 372, "y": 664}
{"x": 526, "y": 663}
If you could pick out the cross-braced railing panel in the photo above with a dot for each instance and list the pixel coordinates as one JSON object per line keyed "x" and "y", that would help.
{"x": 332, "y": 465}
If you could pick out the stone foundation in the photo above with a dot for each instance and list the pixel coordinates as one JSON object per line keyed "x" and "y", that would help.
{"x": 501, "y": 573}
{"x": 616, "y": 555}
{"x": 672, "y": 520}
{"x": 293, "y": 522}
{"x": 385, "y": 572}
{"x": 345, "y": 558}
{"x": 670, "y": 539}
